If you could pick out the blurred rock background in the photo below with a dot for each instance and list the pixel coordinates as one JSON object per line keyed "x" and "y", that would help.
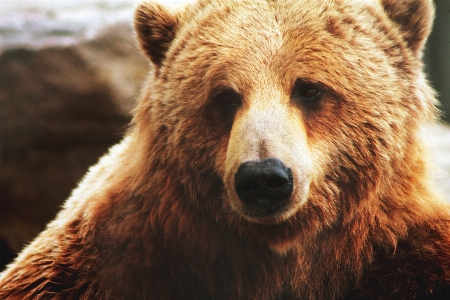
{"x": 69, "y": 74}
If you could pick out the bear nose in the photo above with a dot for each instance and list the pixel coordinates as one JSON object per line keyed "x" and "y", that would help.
{"x": 263, "y": 182}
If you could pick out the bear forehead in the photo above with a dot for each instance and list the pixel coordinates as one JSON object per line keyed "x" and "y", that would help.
{"x": 264, "y": 27}
{"x": 251, "y": 37}
{"x": 240, "y": 17}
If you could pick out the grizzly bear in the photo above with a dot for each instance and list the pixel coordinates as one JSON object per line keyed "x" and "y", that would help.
{"x": 274, "y": 154}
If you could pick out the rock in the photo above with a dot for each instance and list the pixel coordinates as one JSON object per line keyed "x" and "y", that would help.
{"x": 60, "y": 109}
{"x": 38, "y": 24}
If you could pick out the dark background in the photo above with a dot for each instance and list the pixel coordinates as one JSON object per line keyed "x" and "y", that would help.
{"x": 437, "y": 56}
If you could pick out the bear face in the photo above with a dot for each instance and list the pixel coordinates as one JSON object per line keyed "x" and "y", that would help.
{"x": 334, "y": 97}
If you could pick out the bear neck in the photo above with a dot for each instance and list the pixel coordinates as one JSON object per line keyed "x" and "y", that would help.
{"x": 315, "y": 260}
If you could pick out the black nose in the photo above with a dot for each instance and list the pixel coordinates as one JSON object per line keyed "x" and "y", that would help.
{"x": 263, "y": 182}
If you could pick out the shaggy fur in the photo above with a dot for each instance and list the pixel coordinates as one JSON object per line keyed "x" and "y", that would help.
{"x": 159, "y": 218}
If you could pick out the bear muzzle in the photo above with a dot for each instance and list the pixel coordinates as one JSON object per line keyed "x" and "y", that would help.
{"x": 268, "y": 166}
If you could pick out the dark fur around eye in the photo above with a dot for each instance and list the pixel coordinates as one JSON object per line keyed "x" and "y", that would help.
{"x": 225, "y": 103}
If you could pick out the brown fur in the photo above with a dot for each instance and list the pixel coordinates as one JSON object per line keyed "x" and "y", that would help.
{"x": 159, "y": 217}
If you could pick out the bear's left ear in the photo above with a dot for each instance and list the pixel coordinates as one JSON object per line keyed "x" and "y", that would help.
{"x": 414, "y": 18}
{"x": 155, "y": 28}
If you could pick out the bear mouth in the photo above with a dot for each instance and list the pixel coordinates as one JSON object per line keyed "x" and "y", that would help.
{"x": 267, "y": 215}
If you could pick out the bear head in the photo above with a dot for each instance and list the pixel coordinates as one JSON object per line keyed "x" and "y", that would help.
{"x": 278, "y": 115}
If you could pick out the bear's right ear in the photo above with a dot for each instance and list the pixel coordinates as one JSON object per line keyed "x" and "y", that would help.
{"x": 414, "y": 18}
{"x": 155, "y": 28}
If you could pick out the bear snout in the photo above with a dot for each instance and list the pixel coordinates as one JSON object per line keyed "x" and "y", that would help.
{"x": 268, "y": 165}
{"x": 264, "y": 184}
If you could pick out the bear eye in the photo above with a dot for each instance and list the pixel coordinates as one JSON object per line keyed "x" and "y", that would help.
{"x": 306, "y": 92}
{"x": 224, "y": 105}
{"x": 310, "y": 92}
{"x": 228, "y": 97}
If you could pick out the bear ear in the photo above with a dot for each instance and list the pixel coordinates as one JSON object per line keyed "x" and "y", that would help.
{"x": 414, "y": 18}
{"x": 155, "y": 27}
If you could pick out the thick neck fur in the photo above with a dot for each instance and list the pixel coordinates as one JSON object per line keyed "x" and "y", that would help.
{"x": 230, "y": 262}
{"x": 143, "y": 232}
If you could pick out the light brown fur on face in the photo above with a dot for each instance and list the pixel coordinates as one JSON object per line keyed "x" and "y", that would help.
{"x": 332, "y": 89}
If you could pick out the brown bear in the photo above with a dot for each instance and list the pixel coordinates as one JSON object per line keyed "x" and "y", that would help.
{"x": 274, "y": 154}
